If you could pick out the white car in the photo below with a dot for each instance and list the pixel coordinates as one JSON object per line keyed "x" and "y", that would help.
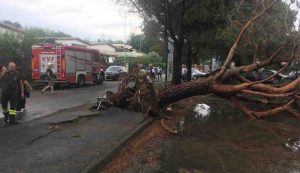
{"x": 197, "y": 74}
{"x": 283, "y": 76}
{"x": 293, "y": 75}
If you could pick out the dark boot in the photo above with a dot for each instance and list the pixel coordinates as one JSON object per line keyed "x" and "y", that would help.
{"x": 12, "y": 120}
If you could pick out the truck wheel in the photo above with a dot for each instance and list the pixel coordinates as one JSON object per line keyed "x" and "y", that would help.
{"x": 80, "y": 81}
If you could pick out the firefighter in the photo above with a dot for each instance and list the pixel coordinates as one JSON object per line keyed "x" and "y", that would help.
{"x": 50, "y": 77}
{"x": 11, "y": 85}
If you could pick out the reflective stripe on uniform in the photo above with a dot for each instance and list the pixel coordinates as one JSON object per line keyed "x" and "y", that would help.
{"x": 5, "y": 111}
{"x": 12, "y": 112}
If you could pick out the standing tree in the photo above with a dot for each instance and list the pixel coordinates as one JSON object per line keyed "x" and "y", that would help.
{"x": 179, "y": 18}
{"x": 9, "y": 44}
{"x": 170, "y": 15}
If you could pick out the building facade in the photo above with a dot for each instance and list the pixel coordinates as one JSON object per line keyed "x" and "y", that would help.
{"x": 9, "y": 29}
{"x": 106, "y": 50}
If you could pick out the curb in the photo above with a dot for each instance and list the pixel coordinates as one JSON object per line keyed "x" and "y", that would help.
{"x": 97, "y": 165}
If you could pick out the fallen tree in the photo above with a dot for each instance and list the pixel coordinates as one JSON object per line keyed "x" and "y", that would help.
{"x": 136, "y": 93}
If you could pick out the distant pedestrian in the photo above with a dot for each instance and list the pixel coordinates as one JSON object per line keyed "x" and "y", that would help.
{"x": 50, "y": 77}
{"x": 151, "y": 73}
{"x": 12, "y": 84}
{"x": 159, "y": 72}
{"x": 155, "y": 72}
{"x": 184, "y": 72}
{"x": 27, "y": 87}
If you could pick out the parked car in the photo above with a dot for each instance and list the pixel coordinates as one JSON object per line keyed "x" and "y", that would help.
{"x": 115, "y": 72}
{"x": 197, "y": 74}
{"x": 281, "y": 76}
{"x": 293, "y": 75}
{"x": 263, "y": 74}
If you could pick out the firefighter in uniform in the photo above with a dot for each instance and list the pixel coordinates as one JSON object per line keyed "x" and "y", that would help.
{"x": 11, "y": 85}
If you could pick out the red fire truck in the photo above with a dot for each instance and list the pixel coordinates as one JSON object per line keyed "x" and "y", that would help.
{"x": 70, "y": 64}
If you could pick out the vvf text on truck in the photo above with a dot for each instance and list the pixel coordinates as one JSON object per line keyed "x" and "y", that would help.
{"x": 71, "y": 64}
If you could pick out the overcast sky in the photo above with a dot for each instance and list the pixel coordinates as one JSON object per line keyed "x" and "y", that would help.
{"x": 86, "y": 19}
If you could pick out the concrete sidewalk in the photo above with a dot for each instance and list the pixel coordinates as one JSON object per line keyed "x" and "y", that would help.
{"x": 73, "y": 140}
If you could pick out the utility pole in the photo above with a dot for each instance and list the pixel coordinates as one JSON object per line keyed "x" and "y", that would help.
{"x": 141, "y": 43}
{"x": 125, "y": 25}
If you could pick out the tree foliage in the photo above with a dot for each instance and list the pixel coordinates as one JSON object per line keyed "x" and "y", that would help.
{"x": 10, "y": 44}
{"x": 210, "y": 26}
{"x": 267, "y": 98}
{"x": 146, "y": 44}
{"x": 151, "y": 40}
{"x": 264, "y": 36}
{"x": 136, "y": 41}
{"x": 151, "y": 57}
{"x": 183, "y": 20}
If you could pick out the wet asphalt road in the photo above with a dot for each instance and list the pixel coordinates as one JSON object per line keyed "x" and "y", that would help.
{"x": 39, "y": 105}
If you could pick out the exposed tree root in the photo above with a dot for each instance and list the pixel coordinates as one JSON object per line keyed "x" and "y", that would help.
{"x": 136, "y": 93}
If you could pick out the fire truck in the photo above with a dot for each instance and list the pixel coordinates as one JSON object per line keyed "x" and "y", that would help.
{"x": 70, "y": 64}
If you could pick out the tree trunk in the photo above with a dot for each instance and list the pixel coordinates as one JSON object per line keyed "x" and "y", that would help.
{"x": 189, "y": 62}
{"x": 176, "y": 74}
{"x": 136, "y": 93}
{"x": 185, "y": 90}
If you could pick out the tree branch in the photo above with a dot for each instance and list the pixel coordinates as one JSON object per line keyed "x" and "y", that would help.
{"x": 293, "y": 112}
{"x": 245, "y": 85}
{"x": 265, "y": 94}
{"x": 273, "y": 90}
{"x": 238, "y": 39}
{"x": 241, "y": 78}
{"x": 253, "y": 66}
{"x": 135, "y": 5}
{"x": 243, "y": 108}
{"x": 280, "y": 70}
{"x": 256, "y": 114}
{"x": 251, "y": 99}
{"x": 277, "y": 110}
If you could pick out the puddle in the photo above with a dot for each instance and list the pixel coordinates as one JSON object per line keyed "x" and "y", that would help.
{"x": 293, "y": 144}
{"x": 214, "y": 135}
{"x": 202, "y": 111}
{"x": 213, "y": 112}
